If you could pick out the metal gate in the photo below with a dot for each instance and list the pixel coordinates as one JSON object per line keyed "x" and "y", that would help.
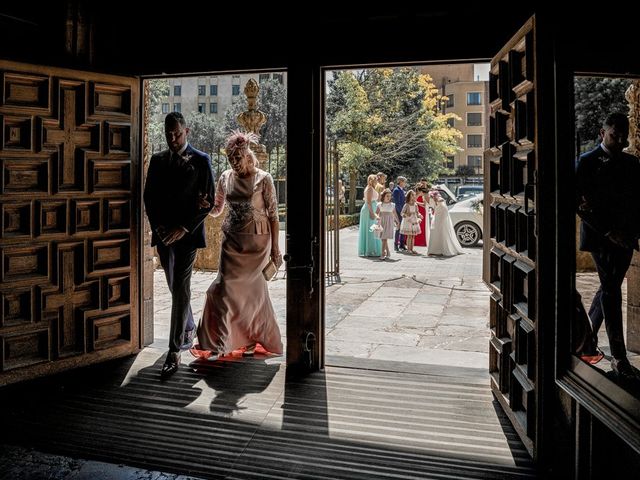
{"x": 332, "y": 207}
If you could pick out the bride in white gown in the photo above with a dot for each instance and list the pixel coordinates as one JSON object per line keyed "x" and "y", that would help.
{"x": 442, "y": 239}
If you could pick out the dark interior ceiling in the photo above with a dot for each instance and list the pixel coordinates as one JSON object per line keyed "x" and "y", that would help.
{"x": 194, "y": 37}
{"x": 142, "y": 38}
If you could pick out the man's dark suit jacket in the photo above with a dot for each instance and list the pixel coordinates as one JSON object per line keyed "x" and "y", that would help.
{"x": 608, "y": 197}
{"x": 398, "y": 196}
{"x": 171, "y": 193}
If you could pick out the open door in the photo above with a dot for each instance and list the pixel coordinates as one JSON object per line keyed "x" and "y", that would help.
{"x": 518, "y": 243}
{"x": 70, "y": 198}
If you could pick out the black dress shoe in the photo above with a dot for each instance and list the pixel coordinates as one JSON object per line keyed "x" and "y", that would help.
{"x": 624, "y": 371}
{"x": 171, "y": 365}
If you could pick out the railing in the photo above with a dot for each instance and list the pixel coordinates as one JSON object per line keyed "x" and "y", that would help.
{"x": 332, "y": 206}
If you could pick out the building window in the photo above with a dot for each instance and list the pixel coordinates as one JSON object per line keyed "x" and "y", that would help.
{"x": 235, "y": 89}
{"x": 474, "y": 141}
{"x": 263, "y": 77}
{"x": 450, "y": 162}
{"x": 213, "y": 90}
{"x": 278, "y": 77}
{"x": 202, "y": 90}
{"x": 213, "y": 108}
{"x": 451, "y": 122}
{"x": 474, "y": 98}
{"x": 475, "y": 161}
{"x": 474, "y": 119}
{"x": 450, "y": 103}
{"x": 177, "y": 107}
{"x": 177, "y": 90}
{"x": 202, "y": 107}
{"x": 165, "y": 108}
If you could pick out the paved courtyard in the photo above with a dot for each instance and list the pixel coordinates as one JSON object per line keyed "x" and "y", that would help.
{"x": 410, "y": 308}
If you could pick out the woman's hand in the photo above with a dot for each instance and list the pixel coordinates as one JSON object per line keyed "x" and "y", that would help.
{"x": 372, "y": 215}
{"x": 276, "y": 256}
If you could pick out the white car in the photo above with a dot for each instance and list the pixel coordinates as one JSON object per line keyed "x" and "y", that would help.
{"x": 466, "y": 216}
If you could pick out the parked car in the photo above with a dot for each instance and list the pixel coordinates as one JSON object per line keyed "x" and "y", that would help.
{"x": 466, "y": 191}
{"x": 446, "y": 193}
{"x": 466, "y": 216}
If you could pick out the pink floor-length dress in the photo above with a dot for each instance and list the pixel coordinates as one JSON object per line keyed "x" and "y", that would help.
{"x": 238, "y": 310}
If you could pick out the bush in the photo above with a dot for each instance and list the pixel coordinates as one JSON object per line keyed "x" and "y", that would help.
{"x": 344, "y": 221}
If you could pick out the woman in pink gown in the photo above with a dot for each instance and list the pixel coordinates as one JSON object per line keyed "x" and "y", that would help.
{"x": 238, "y": 311}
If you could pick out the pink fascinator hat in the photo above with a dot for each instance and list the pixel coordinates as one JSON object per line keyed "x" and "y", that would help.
{"x": 240, "y": 140}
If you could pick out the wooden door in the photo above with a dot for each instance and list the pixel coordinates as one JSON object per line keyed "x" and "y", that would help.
{"x": 512, "y": 250}
{"x": 70, "y": 214}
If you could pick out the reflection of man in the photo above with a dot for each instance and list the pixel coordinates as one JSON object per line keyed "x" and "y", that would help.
{"x": 398, "y": 199}
{"x": 607, "y": 180}
{"x": 177, "y": 179}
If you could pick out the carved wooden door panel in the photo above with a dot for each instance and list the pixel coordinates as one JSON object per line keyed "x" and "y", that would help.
{"x": 510, "y": 263}
{"x": 70, "y": 213}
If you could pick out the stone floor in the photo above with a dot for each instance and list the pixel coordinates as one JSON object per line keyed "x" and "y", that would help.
{"x": 409, "y": 309}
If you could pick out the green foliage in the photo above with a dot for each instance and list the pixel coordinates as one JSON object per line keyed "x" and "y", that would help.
{"x": 389, "y": 120}
{"x": 465, "y": 171}
{"x": 205, "y": 132}
{"x": 157, "y": 89}
{"x": 595, "y": 98}
{"x": 155, "y": 129}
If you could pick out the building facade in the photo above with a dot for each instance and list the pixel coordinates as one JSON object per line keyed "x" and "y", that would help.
{"x": 211, "y": 94}
{"x": 467, "y": 89}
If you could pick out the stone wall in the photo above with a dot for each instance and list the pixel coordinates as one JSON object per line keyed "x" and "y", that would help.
{"x": 209, "y": 258}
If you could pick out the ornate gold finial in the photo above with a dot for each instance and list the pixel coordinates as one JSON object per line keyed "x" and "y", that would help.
{"x": 251, "y": 89}
{"x": 252, "y": 119}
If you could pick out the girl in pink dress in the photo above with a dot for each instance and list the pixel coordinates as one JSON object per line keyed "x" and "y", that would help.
{"x": 238, "y": 311}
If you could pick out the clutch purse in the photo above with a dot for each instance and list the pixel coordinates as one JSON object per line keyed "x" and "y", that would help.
{"x": 270, "y": 270}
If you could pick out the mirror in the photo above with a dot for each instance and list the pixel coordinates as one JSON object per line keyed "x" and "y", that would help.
{"x": 606, "y": 330}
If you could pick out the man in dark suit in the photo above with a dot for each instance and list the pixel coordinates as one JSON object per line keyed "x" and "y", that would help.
{"x": 179, "y": 182}
{"x": 607, "y": 195}
{"x": 398, "y": 199}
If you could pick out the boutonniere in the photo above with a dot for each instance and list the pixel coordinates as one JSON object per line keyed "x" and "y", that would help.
{"x": 185, "y": 161}
{"x": 603, "y": 158}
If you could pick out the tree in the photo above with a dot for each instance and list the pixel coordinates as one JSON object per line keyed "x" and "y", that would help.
{"x": 155, "y": 128}
{"x": 595, "y": 98}
{"x": 465, "y": 171}
{"x": 349, "y": 124}
{"x": 205, "y": 132}
{"x": 394, "y": 116}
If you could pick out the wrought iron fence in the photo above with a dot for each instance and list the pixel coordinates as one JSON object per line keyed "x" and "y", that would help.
{"x": 332, "y": 205}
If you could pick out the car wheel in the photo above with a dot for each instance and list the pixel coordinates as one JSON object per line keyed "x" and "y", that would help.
{"x": 468, "y": 233}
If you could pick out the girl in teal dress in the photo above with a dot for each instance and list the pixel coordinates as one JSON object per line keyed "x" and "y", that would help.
{"x": 369, "y": 245}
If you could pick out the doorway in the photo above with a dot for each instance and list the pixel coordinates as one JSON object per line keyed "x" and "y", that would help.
{"x": 427, "y": 127}
{"x": 211, "y": 105}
